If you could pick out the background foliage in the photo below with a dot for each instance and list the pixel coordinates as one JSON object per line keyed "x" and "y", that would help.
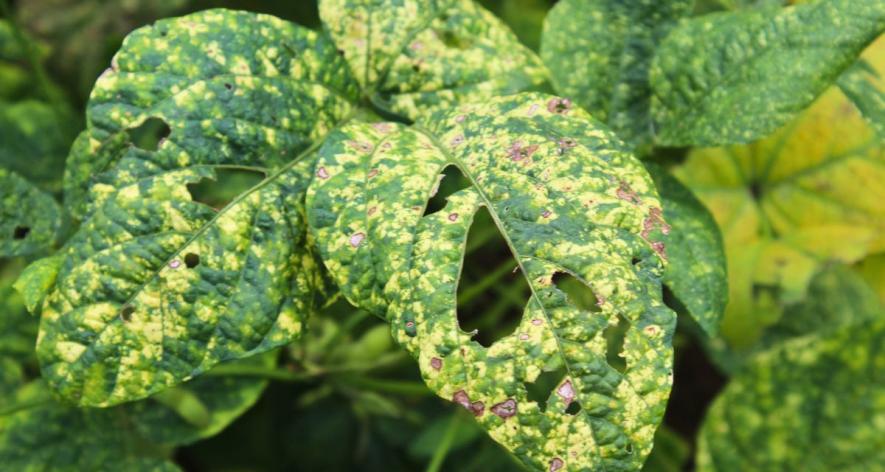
{"x": 798, "y": 204}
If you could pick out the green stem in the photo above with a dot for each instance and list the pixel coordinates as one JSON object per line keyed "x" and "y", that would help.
{"x": 476, "y": 289}
{"x": 442, "y": 449}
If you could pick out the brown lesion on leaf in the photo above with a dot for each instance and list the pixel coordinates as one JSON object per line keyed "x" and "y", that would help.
{"x": 560, "y": 106}
{"x": 462, "y": 398}
{"x": 556, "y": 464}
{"x": 360, "y": 146}
{"x": 436, "y": 363}
{"x": 654, "y": 221}
{"x": 505, "y": 409}
{"x": 517, "y": 152}
{"x": 624, "y": 192}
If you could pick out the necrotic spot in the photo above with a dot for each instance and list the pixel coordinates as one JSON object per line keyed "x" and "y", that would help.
{"x": 191, "y": 260}
{"x": 21, "y": 232}
{"x": 126, "y": 312}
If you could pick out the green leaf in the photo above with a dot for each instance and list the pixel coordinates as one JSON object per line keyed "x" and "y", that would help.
{"x": 864, "y": 84}
{"x": 30, "y": 219}
{"x": 813, "y": 403}
{"x": 735, "y": 77}
{"x": 599, "y": 53}
{"x": 34, "y": 140}
{"x": 234, "y": 88}
{"x": 807, "y": 195}
{"x": 568, "y": 199}
{"x": 872, "y": 269}
{"x": 18, "y": 330}
{"x": 413, "y": 57}
{"x": 155, "y": 287}
{"x": 36, "y": 280}
{"x": 45, "y": 435}
{"x": 696, "y": 273}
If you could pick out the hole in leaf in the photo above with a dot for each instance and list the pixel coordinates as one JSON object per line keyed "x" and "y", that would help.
{"x": 574, "y": 408}
{"x": 451, "y": 181}
{"x": 126, "y": 312}
{"x": 541, "y": 389}
{"x": 228, "y": 183}
{"x": 21, "y": 232}
{"x": 614, "y": 343}
{"x": 578, "y": 293}
{"x": 492, "y": 293}
{"x": 191, "y": 260}
{"x": 149, "y": 135}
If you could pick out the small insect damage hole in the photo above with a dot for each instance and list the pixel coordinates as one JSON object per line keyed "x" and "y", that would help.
{"x": 577, "y": 292}
{"x": 191, "y": 260}
{"x": 450, "y": 181}
{"x": 149, "y": 135}
{"x": 614, "y": 335}
{"x": 21, "y": 232}
{"x": 126, "y": 312}
{"x": 545, "y": 385}
{"x": 227, "y": 185}
{"x": 492, "y": 292}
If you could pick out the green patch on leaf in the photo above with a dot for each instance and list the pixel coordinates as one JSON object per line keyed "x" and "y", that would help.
{"x": 734, "y": 77}
{"x": 567, "y": 198}
{"x": 30, "y": 219}
{"x": 599, "y": 53}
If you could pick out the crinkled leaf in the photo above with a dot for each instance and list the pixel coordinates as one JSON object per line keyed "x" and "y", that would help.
{"x": 734, "y": 77}
{"x": 808, "y": 194}
{"x": 599, "y": 53}
{"x": 412, "y": 56}
{"x": 156, "y": 287}
{"x": 567, "y": 198}
{"x": 814, "y": 403}
{"x": 52, "y": 436}
{"x": 696, "y": 273}
{"x": 30, "y": 219}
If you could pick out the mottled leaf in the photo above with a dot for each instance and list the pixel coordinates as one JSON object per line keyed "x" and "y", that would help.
{"x": 696, "y": 274}
{"x": 599, "y": 53}
{"x": 44, "y": 435}
{"x": 157, "y": 287}
{"x": 864, "y": 84}
{"x": 734, "y": 77}
{"x": 814, "y": 403}
{"x": 412, "y": 57}
{"x": 568, "y": 199}
{"x": 808, "y": 194}
{"x": 36, "y": 280}
{"x": 30, "y": 219}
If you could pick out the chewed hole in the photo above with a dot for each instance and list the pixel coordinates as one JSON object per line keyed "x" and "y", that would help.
{"x": 227, "y": 185}
{"x": 191, "y": 260}
{"x": 578, "y": 293}
{"x": 450, "y": 181}
{"x": 540, "y": 390}
{"x": 126, "y": 312}
{"x": 149, "y": 134}
{"x": 492, "y": 292}
{"x": 614, "y": 335}
{"x": 574, "y": 408}
{"x": 21, "y": 232}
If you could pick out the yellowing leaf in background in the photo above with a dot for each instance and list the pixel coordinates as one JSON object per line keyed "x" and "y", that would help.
{"x": 812, "y": 192}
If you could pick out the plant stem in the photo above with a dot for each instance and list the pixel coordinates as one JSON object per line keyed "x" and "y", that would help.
{"x": 476, "y": 289}
{"x": 442, "y": 449}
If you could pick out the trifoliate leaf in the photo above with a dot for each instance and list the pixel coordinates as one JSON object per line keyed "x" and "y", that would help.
{"x": 599, "y": 53}
{"x": 412, "y": 57}
{"x": 568, "y": 199}
{"x": 696, "y": 273}
{"x": 808, "y": 194}
{"x": 734, "y": 77}
{"x": 45, "y": 435}
{"x": 157, "y": 287}
{"x": 814, "y": 403}
{"x": 232, "y": 88}
{"x": 30, "y": 219}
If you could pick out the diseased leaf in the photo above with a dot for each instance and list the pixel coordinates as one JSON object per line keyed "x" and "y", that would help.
{"x": 568, "y": 199}
{"x": 696, "y": 273}
{"x": 734, "y": 77}
{"x": 809, "y": 194}
{"x": 412, "y": 57}
{"x": 50, "y": 436}
{"x": 813, "y": 403}
{"x": 156, "y": 287}
{"x": 30, "y": 219}
{"x": 864, "y": 84}
{"x": 599, "y": 53}
{"x": 36, "y": 280}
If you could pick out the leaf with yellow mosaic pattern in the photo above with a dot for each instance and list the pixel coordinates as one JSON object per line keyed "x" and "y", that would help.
{"x": 568, "y": 199}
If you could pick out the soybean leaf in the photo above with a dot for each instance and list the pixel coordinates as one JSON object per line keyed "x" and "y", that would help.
{"x": 599, "y": 53}
{"x": 156, "y": 287}
{"x": 412, "y": 57}
{"x": 696, "y": 273}
{"x": 44, "y": 435}
{"x": 812, "y": 403}
{"x": 808, "y": 194}
{"x": 735, "y": 77}
{"x": 568, "y": 199}
{"x": 864, "y": 84}
{"x": 30, "y": 219}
